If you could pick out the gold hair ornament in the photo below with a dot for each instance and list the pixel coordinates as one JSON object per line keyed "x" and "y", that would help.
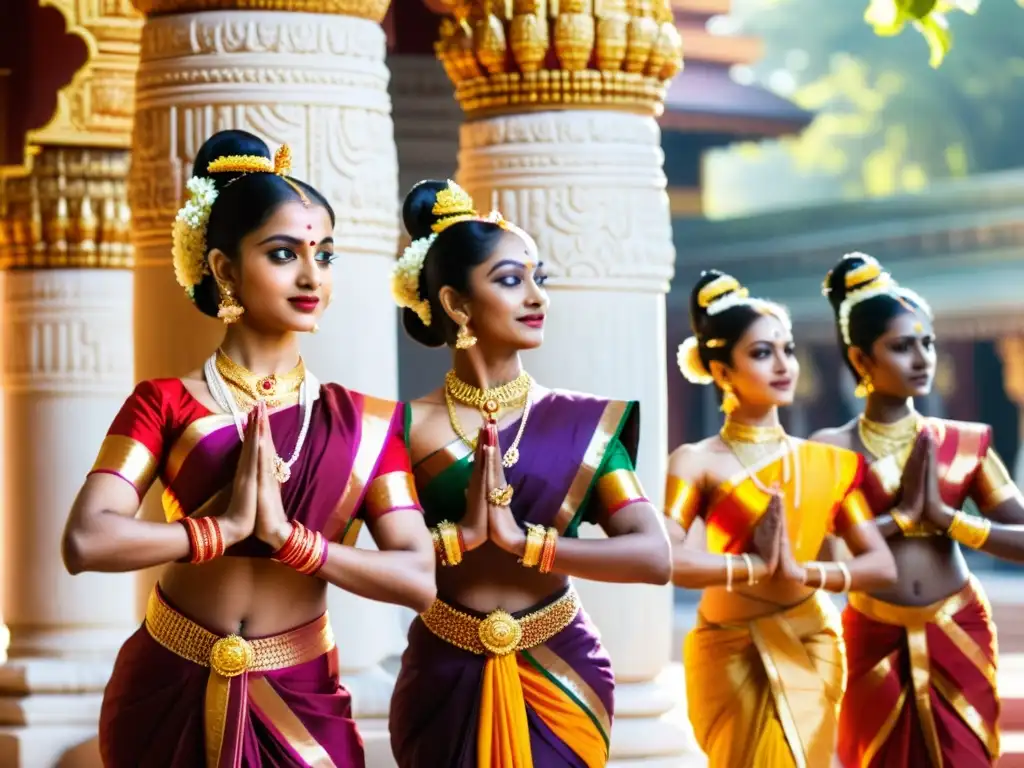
{"x": 188, "y": 233}
{"x": 725, "y": 292}
{"x": 453, "y": 205}
{"x": 866, "y": 282}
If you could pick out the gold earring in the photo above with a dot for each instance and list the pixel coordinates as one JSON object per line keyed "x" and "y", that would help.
{"x": 229, "y": 310}
{"x": 315, "y": 328}
{"x": 729, "y": 400}
{"x": 864, "y": 387}
{"x": 464, "y": 339}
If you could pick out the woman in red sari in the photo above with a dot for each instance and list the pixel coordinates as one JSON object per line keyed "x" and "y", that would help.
{"x": 265, "y": 471}
{"x": 922, "y": 653}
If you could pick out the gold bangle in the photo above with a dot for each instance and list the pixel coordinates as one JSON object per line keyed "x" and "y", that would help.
{"x": 435, "y": 536}
{"x": 450, "y": 539}
{"x": 534, "y": 545}
{"x": 847, "y": 577}
{"x": 969, "y": 530}
{"x": 547, "y": 555}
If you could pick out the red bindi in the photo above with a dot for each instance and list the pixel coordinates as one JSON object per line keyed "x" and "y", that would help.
{"x": 312, "y": 242}
{"x": 309, "y": 226}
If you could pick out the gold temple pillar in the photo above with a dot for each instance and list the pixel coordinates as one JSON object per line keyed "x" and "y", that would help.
{"x": 310, "y": 73}
{"x": 560, "y": 134}
{"x": 67, "y": 366}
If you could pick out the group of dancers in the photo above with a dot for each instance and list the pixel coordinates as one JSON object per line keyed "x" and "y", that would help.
{"x": 475, "y": 493}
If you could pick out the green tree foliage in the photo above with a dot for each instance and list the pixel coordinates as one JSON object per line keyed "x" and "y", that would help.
{"x": 887, "y": 122}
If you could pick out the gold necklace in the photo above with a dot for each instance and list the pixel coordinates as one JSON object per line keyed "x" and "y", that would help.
{"x": 248, "y": 388}
{"x": 489, "y": 401}
{"x": 750, "y": 443}
{"x": 883, "y": 440}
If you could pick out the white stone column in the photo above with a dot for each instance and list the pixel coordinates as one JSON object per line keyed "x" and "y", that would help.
{"x": 67, "y": 367}
{"x": 1011, "y": 350}
{"x": 319, "y": 83}
{"x": 590, "y": 187}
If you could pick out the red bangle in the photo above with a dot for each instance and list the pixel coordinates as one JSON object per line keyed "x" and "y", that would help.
{"x": 204, "y": 537}
{"x": 304, "y": 550}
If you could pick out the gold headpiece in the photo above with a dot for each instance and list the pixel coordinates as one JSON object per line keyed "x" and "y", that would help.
{"x": 453, "y": 204}
{"x": 866, "y": 282}
{"x": 188, "y": 249}
{"x": 720, "y": 286}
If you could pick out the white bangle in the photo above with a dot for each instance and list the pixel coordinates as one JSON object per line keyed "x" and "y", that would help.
{"x": 751, "y": 581}
{"x": 847, "y": 578}
{"x": 821, "y": 574}
{"x": 728, "y": 572}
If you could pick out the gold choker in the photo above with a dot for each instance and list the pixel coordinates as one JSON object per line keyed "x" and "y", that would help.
{"x": 248, "y": 388}
{"x": 883, "y": 440}
{"x": 489, "y": 402}
{"x": 738, "y": 432}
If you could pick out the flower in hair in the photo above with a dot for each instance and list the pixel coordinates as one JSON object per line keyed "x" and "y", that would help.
{"x": 690, "y": 364}
{"x": 188, "y": 249}
{"x": 405, "y": 279}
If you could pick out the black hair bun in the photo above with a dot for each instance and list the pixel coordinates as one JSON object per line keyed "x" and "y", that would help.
{"x": 417, "y": 209}
{"x": 699, "y": 314}
{"x": 226, "y": 144}
{"x": 835, "y": 289}
{"x": 427, "y": 335}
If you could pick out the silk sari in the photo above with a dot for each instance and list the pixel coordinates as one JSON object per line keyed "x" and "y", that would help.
{"x": 547, "y": 704}
{"x": 922, "y": 687}
{"x": 180, "y": 696}
{"x": 766, "y": 692}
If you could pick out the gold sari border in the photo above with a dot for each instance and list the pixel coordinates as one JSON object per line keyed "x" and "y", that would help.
{"x": 476, "y": 635}
{"x": 967, "y": 458}
{"x": 562, "y": 674}
{"x": 433, "y": 465}
{"x": 279, "y": 716}
{"x": 193, "y": 642}
{"x": 971, "y": 716}
{"x": 129, "y": 459}
{"x": 377, "y": 415}
{"x": 618, "y": 489}
{"x": 389, "y": 493}
{"x": 191, "y": 437}
{"x": 993, "y": 484}
{"x": 608, "y": 427}
{"x": 917, "y": 616}
{"x": 682, "y": 501}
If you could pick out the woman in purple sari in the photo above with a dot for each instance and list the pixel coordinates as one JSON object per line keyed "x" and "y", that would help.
{"x": 505, "y": 668}
{"x": 266, "y": 475}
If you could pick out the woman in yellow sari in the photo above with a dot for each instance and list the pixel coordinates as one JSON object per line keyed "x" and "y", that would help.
{"x": 749, "y": 510}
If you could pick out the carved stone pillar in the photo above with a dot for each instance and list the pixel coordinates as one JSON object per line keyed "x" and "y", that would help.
{"x": 1011, "y": 350}
{"x": 315, "y": 80}
{"x": 573, "y": 155}
{"x": 67, "y": 367}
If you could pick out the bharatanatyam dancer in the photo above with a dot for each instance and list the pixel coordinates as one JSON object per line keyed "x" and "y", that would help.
{"x": 506, "y": 670}
{"x": 749, "y": 510}
{"x": 265, "y": 472}
{"x": 922, "y": 652}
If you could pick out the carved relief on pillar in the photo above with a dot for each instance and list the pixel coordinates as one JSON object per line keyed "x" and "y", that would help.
{"x": 96, "y": 108}
{"x": 318, "y": 83}
{"x": 69, "y": 211}
{"x": 588, "y": 185}
{"x": 372, "y": 10}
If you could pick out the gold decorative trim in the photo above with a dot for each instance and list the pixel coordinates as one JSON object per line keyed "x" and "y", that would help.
{"x": 528, "y": 55}
{"x": 69, "y": 210}
{"x": 372, "y": 10}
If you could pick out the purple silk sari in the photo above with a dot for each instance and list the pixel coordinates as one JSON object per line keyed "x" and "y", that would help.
{"x": 567, "y": 681}
{"x": 157, "y": 709}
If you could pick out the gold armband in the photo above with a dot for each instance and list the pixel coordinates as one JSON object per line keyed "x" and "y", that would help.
{"x": 682, "y": 501}
{"x": 618, "y": 489}
{"x": 853, "y": 511}
{"x": 993, "y": 484}
{"x": 969, "y": 530}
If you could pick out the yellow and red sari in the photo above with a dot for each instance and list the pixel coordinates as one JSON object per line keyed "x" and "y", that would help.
{"x": 922, "y": 680}
{"x": 766, "y": 692}
{"x": 181, "y": 696}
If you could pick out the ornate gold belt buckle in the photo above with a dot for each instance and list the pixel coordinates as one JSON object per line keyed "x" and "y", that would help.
{"x": 231, "y": 656}
{"x": 500, "y": 633}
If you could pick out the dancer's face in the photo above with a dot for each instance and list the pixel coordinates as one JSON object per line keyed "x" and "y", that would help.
{"x": 902, "y": 360}
{"x": 283, "y": 276}
{"x": 507, "y": 302}
{"x": 764, "y": 368}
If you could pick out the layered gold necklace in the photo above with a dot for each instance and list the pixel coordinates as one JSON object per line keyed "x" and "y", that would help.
{"x": 751, "y": 443}
{"x": 489, "y": 402}
{"x": 247, "y": 388}
{"x": 896, "y": 438}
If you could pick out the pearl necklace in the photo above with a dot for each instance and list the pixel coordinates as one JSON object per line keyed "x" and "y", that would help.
{"x": 222, "y": 396}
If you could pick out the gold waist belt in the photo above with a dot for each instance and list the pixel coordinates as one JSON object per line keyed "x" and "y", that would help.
{"x": 233, "y": 655}
{"x": 501, "y": 633}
